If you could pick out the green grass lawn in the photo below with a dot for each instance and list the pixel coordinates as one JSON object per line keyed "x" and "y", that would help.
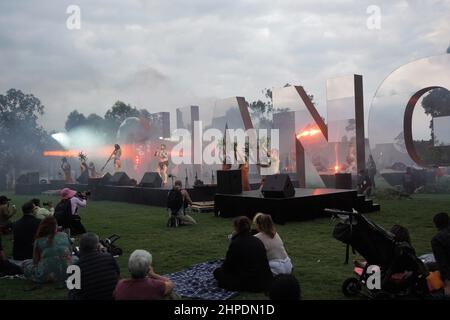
{"x": 318, "y": 258}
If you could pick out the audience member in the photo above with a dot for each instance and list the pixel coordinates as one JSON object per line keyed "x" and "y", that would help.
{"x": 440, "y": 244}
{"x": 40, "y": 212}
{"x": 284, "y": 287}
{"x": 364, "y": 183}
{"x": 144, "y": 284}
{"x": 245, "y": 267}
{"x": 99, "y": 271}
{"x": 178, "y": 200}
{"x": 6, "y": 212}
{"x": 6, "y": 267}
{"x": 52, "y": 254}
{"x": 279, "y": 261}
{"x": 66, "y": 211}
{"x": 24, "y": 232}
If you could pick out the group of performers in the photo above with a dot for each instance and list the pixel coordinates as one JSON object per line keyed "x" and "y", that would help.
{"x": 163, "y": 164}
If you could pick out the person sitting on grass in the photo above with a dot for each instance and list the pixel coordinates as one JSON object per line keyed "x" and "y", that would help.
{"x": 284, "y": 287}
{"x": 6, "y": 267}
{"x": 99, "y": 271}
{"x": 24, "y": 232}
{"x": 52, "y": 254}
{"x": 40, "y": 212}
{"x": 246, "y": 267}
{"x": 6, "y": 212}
{"x": 144, "y": 284}
{"x": 440, "y": 244}
{"x": 279, "y": 261}
{"x": 405, "y": 263}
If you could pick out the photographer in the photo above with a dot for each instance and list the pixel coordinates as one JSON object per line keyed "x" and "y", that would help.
{"x": 6, "y": 212}
{"x": 66, "y": 211}
{"x": 40, "y": 212}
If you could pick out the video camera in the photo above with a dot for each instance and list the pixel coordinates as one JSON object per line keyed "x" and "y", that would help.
{"x": 83, "y": 195}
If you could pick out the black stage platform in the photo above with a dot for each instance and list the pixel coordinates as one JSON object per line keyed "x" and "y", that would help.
{"x": 305, "y": 205}
{"x": 148, "y": 196}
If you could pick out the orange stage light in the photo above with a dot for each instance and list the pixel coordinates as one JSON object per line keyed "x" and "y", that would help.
{"x": 308, "y": 133}
{"x": 61, "y": 153}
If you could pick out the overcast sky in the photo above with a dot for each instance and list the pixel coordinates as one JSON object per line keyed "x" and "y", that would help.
{"x": 160, "y": 55}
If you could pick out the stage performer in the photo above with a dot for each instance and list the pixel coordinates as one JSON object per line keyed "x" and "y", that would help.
{"x": 117, "y": 155}
{"x": 92, "y": 171}
{"x": 65, "y": 167}
{"x": 83, "y": 164}
{"x": 163, "y": 162}
{"x": 244, "y": 167}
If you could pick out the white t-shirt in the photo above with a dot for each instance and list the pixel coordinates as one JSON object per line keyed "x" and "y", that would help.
{"x": 274, "y": 246}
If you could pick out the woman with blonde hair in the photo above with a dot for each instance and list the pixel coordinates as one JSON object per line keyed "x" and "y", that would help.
{"x": 279, "y": 261}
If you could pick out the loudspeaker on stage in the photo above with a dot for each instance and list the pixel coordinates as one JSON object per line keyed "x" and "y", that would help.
{"x": 278, "y": 186}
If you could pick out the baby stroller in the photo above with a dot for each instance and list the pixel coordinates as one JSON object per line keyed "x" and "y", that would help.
{"x": 402, "y": 274}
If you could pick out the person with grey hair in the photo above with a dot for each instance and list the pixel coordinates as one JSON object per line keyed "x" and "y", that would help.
{"x": 99, "y": 271}
{"x": 144, "y": 283}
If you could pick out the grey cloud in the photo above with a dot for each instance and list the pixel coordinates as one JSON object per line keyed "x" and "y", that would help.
{"x": 165, "y": 54}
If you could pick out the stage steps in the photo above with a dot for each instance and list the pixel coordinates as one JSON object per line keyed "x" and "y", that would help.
{"x": 202, "y": 206}
{"x": 366, "y": 205}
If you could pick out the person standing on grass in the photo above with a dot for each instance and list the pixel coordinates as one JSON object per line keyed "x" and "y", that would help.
{"x": 99, "y": 271}
{"x": 144, "y": 284}
{"x": 440, "y": 244}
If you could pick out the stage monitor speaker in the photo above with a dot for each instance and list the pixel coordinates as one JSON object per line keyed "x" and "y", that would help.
{"x": 278, "y": 186}
{"x": 229, "y": 181}
{"x": 29, "y": 178}
{"x": 83, "y": 178}
{"x": 343, "y": 181}
{"x": 105, "y": 179}
{"x": 23, "y": 179}
{"x": 120, "y": 179}
{"x": 151, "y": 180}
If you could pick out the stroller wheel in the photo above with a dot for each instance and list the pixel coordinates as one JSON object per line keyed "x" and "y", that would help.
{"x": 351, "y": 287}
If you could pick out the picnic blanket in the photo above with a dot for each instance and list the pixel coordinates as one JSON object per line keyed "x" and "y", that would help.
{"x": 197, "y": 282}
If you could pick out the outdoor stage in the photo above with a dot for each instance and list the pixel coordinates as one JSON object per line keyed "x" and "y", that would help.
{"x": 131, "y": 194}
{"x": 306, "y": 204}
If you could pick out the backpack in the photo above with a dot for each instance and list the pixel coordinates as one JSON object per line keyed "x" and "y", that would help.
{"x": 63, "y": 213}
{"x": 174, "y": 201}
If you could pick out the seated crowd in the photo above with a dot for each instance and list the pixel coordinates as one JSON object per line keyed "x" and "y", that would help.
{"x": 256, "y": 259}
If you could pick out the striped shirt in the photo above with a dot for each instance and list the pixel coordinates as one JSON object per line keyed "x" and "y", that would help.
{"x": 99, "y": 276}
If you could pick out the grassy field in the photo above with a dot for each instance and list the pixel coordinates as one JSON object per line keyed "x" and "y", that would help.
{"x": 317, "y": 257}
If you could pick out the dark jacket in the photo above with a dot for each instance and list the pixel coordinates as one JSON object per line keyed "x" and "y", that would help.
{"x": 24, "y": 231}
{"x": 440, "y": 244}
{"x": 246, "y": 261}
{"x": 99, "y": 276}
